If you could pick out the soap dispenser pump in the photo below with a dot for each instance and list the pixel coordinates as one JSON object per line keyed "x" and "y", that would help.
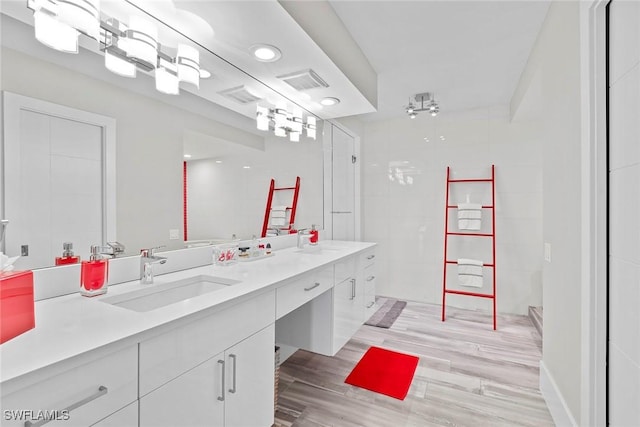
{"x": 67, "y": 255}
{"x": 94, "y": 274}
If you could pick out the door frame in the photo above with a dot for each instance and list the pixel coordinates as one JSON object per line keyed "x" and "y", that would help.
{"x": 327, "y": 137}
{"x": 593, "y": 40}
{"x": 12, "y": 104}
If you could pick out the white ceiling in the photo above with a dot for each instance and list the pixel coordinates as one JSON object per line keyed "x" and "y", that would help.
{"x": 469, "y": 53}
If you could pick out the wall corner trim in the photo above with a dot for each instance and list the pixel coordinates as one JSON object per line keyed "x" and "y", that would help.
{"x": 558, "y": 408}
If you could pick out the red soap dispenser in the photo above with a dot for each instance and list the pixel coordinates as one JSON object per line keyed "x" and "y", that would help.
{"x": 314, "y": 235}
{"x": 67, "y": 255}
{"x": 94, "y": 274}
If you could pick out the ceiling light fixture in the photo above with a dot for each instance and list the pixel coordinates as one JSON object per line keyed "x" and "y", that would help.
{"x": 265, "y": 53}
{"x": 127, "y": 48}
{"x": 329, "y": 101}
{"x": 285, "y": 123}
{"x": 424, "y": 102}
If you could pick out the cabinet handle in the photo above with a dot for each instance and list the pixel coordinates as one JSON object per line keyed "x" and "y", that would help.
{"x": 315, "y": 285}
{"x": 353, "y": 288}
{"x": 371, "y": 257}
{"x": 370, "y": 304}
{"x": 370, "y": 278}
{"x": 102, "y": 390}
{"x": 221, "y": 363}
{"x": 233, "y": 388}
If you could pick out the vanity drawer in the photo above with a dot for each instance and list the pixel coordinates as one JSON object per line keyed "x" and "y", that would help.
{"x": 369, "y": 291}
{"x": 293, "y": 295}
{"x": 92, "y": 391}
{"x": 345, "y": 269}
{"x": 367, "y": 258}
{"x": 166, "y": 356}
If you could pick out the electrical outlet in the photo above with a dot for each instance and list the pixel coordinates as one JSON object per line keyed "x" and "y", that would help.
{"x": 174, "y": 234}
{"x": 547, "y": 252}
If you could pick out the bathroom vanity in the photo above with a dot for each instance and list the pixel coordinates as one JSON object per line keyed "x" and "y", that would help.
{"x": 194, "y": 348}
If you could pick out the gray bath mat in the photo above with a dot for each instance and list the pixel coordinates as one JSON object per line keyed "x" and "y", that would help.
{"x": 387, "y": 314}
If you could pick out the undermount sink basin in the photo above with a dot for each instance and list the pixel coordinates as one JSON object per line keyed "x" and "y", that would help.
{"x": 161, "y": 295}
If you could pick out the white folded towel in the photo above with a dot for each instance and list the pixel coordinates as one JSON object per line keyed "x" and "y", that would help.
{"x": 469, "y": 216}
{"x": 278, "y": 222}
{"x": 470, "y": 272}
{"x": 278, "y": 211}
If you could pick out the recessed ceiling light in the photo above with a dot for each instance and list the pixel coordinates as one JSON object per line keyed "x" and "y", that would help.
{"x": 187, "y": 156}
{"x": 265, "y": 53}
{"x": 218, "y": 161}
{"x": 246, "y": 167}
{"x": 329, "y": 101}
{"x": 204, "y": 74}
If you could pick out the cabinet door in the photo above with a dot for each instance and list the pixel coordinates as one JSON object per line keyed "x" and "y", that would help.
{"x": 347, "y": 311}
{"x": 250, "y": 380}
{"x": 195, "y": 398}
{"x": 125, "y": 417}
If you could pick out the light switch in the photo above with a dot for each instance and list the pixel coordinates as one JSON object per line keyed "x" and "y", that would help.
{"x": 547, "y": 252}
{"x": 174, "y": 234}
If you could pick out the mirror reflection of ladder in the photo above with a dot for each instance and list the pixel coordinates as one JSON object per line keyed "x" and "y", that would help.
{"x": 285, "y": 218}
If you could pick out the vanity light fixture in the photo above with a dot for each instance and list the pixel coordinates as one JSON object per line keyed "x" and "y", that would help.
{"x": 188, "y": 61}
{"x": 83, "y": 15}
{"x": 329, "y": 101}
{"x": 141, "y": 41}
{"x": 285, "y": 123}
{"x": 187, "y": 156}
{"x": 116, "y": 64}
{"x": 127, "y": 48}
{"x": 53, "y": 33}
{"x": 265, "y": 53}
{"x": 424, "y": 102}
{"x": 167, "y": 78}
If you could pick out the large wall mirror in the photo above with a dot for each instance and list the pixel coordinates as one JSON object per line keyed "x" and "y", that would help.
{"x": 153, "y": 133}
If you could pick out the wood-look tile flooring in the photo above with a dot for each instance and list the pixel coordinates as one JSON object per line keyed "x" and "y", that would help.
{"x": 468, "y": 375}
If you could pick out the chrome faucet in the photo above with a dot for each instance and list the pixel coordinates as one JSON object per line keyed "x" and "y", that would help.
{"x": 147, "y": 259}
{"x": 303, "y": 234}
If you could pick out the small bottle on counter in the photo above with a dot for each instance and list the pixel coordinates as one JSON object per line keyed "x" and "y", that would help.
{"x": 313, "y": 239}
{"x": 94, "y": 274}
{"x": 67, "y": 255}
{"x": 267, "y": 249}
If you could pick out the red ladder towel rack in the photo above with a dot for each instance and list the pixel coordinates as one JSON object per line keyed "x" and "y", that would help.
{"x": 491, "y": 235}
{"x": 291, "y": 209}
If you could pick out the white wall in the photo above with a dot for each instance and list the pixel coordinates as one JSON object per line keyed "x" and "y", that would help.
{"x": 212, "y": 187}
{"x": 149, "y": 143}
{"x": 550, "y": 84}
{"x": 624, "y": 202}
{"x": 404, "y": 180}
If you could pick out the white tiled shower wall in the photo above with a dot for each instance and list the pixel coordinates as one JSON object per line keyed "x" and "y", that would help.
{"x": 404, "y": 166}
{"x": 624, "y": 202}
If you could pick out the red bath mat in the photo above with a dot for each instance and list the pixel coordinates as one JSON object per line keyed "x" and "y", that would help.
{"x": 384, "y": 371}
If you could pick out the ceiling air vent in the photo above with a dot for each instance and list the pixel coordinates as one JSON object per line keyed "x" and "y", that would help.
{"x": 240, "y": 94}
{"x": 303, "y": 80}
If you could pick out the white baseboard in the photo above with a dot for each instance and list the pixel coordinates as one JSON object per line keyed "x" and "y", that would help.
{"x": 555, "y": 402}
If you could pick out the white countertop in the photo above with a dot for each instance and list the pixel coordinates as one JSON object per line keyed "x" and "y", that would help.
{"x": 72, "y": 325}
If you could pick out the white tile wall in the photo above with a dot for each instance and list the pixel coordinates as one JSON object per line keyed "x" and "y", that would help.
{"x": 624, "y": 202}
{"x": 404, "y": 180}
